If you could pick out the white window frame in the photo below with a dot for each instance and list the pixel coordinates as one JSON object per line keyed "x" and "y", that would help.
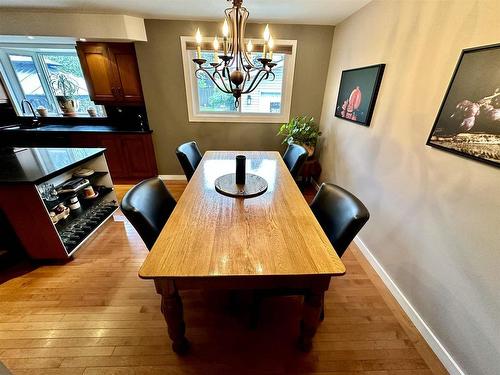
{"x": 190, "y": 83}
{"x": 11, "y": 80}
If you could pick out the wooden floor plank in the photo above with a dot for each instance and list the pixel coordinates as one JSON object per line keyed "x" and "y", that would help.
{"x": 93, "y": 316}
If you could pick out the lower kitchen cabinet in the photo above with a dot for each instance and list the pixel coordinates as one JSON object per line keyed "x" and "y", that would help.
{"x": 130, "y": 157}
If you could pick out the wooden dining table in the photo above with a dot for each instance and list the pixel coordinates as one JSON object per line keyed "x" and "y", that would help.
{"x": 269, "y": 242}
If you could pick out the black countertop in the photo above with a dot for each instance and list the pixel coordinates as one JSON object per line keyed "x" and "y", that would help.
{"x": 36, "y": 165}
{"x": 74, "y": 129}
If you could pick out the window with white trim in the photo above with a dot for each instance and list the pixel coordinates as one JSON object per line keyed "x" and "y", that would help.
{"x": 38, "y": 75}
{"x": 269, "y": 103}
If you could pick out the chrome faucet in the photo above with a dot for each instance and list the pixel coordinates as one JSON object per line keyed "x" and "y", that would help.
{"x": 30, "y": 106}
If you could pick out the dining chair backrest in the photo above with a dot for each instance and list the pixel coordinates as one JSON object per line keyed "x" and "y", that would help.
{"x": 340, "y": 214}
{"x": 189, "y": 156}
{"x": 148, "y": 206}
{"x": 294, "y": 157}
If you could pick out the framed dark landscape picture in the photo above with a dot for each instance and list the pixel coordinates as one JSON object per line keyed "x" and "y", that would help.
{"x": 358, "y": 93}
{"x": 468, "y": 121}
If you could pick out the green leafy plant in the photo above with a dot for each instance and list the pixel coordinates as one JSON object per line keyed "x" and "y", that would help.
{"x": 302, "y": 130}
{"x": 63, "y": 85}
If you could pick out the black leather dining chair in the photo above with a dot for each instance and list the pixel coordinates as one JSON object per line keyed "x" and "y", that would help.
{"x": 341, "y": 216}
{"x": 189, "y": 156}
{"x": 148, "y": 206}
{"x": 294, "y": 157}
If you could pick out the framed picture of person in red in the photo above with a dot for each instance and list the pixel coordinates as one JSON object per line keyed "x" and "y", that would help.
{"x": 358, "y": 93}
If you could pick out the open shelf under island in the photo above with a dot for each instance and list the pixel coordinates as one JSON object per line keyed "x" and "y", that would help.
{"x": 51, "y": 208}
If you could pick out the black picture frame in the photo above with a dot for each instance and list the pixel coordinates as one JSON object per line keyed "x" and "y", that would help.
{"x": 474, "y": 95}
{"x": 366, "y": 79}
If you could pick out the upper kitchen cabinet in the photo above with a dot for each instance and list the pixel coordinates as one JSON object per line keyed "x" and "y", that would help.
{"x": 111, "y": 72}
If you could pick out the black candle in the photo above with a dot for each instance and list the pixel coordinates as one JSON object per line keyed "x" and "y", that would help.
{"x": 240, "y": 169}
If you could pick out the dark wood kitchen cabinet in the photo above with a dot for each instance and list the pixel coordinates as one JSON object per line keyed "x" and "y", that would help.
{"x": 111, "y": 72}
{"x": 130, "y": 157}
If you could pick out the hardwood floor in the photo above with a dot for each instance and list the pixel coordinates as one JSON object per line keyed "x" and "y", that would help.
{"x": 94, "y": 315}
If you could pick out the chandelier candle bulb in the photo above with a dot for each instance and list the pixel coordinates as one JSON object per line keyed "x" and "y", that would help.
{"x": 249, "y": 46}
{"x": 216, "y": 49}
{"x": 198, "y": 42}
{"x": 267, "y": 34}
{"x": 225, "y": 34}
{"x": 266, "y": 40}
{"x": 270, "y": 44}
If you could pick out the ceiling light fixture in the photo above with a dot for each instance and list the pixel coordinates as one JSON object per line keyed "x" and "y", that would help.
{"x": 30, "y": 37}
{"x": 83, "y": 40}
{"x": 235, "y": 71}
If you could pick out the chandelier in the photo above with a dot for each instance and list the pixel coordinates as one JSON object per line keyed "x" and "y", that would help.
{"x": 234, "y": 71}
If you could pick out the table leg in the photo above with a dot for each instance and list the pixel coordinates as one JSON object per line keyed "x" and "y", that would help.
{"x": 310, "y": 318}
{"x": 322, "y": 315}
{"x": 171, "y": 307}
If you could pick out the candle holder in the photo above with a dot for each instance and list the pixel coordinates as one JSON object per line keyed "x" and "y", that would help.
{"x": 264, "y": 61}
{"x": 240, "y": 169}
{"x": 225, "y": 58}
{"x": 200, "y": 62}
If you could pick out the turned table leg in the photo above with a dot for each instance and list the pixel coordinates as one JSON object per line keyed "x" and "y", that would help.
{"x": 310, "y": 318}
{"x": 171, "y": 307}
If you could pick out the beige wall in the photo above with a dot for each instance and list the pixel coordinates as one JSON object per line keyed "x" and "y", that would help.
{"x": 435, "y": 217}
{"x": 77, "y": 25}
{"x": 162, "y": 77}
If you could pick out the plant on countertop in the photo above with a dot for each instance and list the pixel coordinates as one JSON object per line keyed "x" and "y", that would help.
{"x": 301, "y": 130}
{"x": 65, "y": 89}
{"x": 64, "y": 85}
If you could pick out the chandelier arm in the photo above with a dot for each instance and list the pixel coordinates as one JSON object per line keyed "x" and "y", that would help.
{"x": 245, "y": 81}
{"x": 244, "y": 55}
{"x": 230, "y": 51}
{"x": 256, "y": 80}
{"x": 229, "y": 80}
{"x": 237, "y": 38}
{"x": 271, "y": 73}
{"x": 226, "y": 90}
{"x": 223, "y": 89}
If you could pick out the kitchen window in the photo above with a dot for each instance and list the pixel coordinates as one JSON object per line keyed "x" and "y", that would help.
{"x": 269, "y": 103}
{"x": 46, "y": 77}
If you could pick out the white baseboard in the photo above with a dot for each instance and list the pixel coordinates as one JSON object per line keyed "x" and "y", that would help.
{"x": 441, "y": 352}
{"x": 172, "y": 177}
{"x": 315, "y": 184}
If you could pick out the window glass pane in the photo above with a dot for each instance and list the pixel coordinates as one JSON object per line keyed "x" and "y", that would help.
{"x": 66, "y": 79}
{"x": 266, "y": 98}
{"x": 210, "y": 98}
{"x": 29, "y": 79}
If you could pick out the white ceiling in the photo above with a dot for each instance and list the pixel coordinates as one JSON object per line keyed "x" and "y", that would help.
{"x": 315, "y": 12}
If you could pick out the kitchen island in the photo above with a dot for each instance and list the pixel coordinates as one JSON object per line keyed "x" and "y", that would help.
{"x": 55, "y": 198}
{"x": 129, "y": 151}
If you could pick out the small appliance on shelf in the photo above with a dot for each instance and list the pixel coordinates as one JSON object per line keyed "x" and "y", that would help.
{"x": 83, "y": 172}
{"x": 60, "y": 212}
{"x": 74, "y": 185}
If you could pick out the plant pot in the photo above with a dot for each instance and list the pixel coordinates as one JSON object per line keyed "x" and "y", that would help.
{"x": 68, "y": 105}
{"x": 309, "y": 149}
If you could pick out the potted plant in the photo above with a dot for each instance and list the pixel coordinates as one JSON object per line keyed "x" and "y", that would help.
{"x": 301, "y": 130}
{"x": 65, "y": 89}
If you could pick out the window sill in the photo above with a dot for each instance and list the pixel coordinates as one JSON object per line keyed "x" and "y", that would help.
{"x": 53, "y": 116}
{"x": 237, "y": 117}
